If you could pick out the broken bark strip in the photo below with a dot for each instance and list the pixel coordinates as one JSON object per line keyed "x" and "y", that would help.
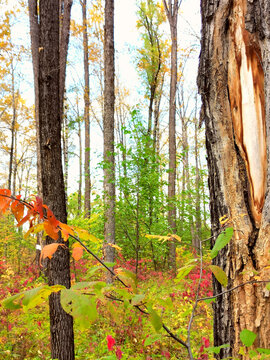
{"x": 234, "y": 84}
{"x": 246, "y": 94}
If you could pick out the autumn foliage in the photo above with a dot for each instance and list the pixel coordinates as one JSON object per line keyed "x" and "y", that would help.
{"x": 40, "y": 218}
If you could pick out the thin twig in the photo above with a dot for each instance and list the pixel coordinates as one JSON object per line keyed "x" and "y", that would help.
{"x": 235, "y": 287}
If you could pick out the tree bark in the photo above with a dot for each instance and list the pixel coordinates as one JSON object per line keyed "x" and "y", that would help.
{"x": 13, "y": 123}
{"x": 61, "y": 324}
{"x": 172, "y": 15}
{"x": 108, "y": 128}
{"x": 235, "y": 87}
{"x": 87, "y": 186}
{"x": 64, "y": 12}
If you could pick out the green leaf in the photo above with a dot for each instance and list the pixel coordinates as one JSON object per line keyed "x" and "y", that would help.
{"x": 252, "y": 354}
{"x": 268, "y": 286}
{"x": 209, "y": 301}
{"x": 155, "y": 319}
{"x": 151, "y": 339}
{"x": 247, "y": 337}
{"x": 10, "y": 304}
{"x": 219, "y": 275}
{"x": 137, "y": 299}
{"x": 216, "y": 349}
{"x": 222, "y": 240}
{"x": 36, "y": 296}
{"x": 81, "y": 307}
{"x": 183, "y": 272}
{"x": 263, "y": 351}
{"x": 127, "y": 276}
{"x": 110, "y": 264}
{"x": 89, "y": 285}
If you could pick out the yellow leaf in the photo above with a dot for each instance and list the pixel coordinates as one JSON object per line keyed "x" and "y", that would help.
{"x": 176, "y": 237}
{"x": 34, "y": 230}
{"x": 66, "y": 231}
{"x": 118, "y": 248}
{"x": 223, "y": 219}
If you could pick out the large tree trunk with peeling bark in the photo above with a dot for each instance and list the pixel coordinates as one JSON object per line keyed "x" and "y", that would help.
{"x": 234, "y": 83}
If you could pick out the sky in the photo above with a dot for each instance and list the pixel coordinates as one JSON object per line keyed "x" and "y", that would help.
{"x": 126, "y": 40}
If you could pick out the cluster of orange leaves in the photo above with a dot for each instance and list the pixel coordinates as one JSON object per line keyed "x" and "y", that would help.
{"x": 49, "y": 224}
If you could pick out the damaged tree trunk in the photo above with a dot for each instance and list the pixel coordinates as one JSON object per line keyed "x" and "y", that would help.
{"x": 234, "y": 84}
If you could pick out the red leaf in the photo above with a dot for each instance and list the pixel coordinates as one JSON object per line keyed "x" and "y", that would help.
{"x": 118, "y": 353}
{"x": 26, "y": 218}
{"x": 4, "y": 200}
{"x": 17, "y": 209}
{"x": 110, "y": 342}
{"x": 38, "y": 207}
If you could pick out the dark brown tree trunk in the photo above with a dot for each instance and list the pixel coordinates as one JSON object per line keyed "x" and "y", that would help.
{"x": 13, "y": 123}
{"x": 80, "y": 166}
{"x": 61, "y": 324}
{"x": 64, "y": 12}
{"x": 65, "y": 151}
{"x": 234, "y": 81}
{"x": 171, "y": 9}
{"x": 108, "y": 128}
{"x": 198, "y": 222}
{"x": 87, "y": 186}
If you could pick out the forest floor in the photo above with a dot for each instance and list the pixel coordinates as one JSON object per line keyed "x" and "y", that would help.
{"x": 119, "y": 332}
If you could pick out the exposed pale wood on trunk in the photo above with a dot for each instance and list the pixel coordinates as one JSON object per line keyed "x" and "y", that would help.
{"x": 230, "y": 60}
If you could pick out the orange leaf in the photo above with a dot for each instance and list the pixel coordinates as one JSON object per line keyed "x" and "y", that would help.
{"x": 51, "y": 230}
{"x": 66, "y": 231}
{"x": 26, "y": 218}
{"x": 4, "y": 200}
{"x": 77, "y": 251}
{"x": 49, "y": 250}
{"x": 17, "y": 209}
{"x": 51, "y": 218}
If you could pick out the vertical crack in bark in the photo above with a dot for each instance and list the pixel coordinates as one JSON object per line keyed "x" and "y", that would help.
{"x": 246, "y": 93}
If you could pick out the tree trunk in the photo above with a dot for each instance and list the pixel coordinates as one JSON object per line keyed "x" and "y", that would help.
{"x": 235, "y": 87}
{"x": 61, "y": 324}
{"x": 198, "y": 222}
{"x": 13, "y": 123}
{"x": 65, "y": 151}
{"x": 108, "y": 127}
{"x": 172, "y": 15}
{"x": 64, "y": 12}
{"x": 87, "y": 187}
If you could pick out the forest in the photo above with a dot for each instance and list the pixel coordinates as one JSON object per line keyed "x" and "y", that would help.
{"x": 134, "y": 179}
